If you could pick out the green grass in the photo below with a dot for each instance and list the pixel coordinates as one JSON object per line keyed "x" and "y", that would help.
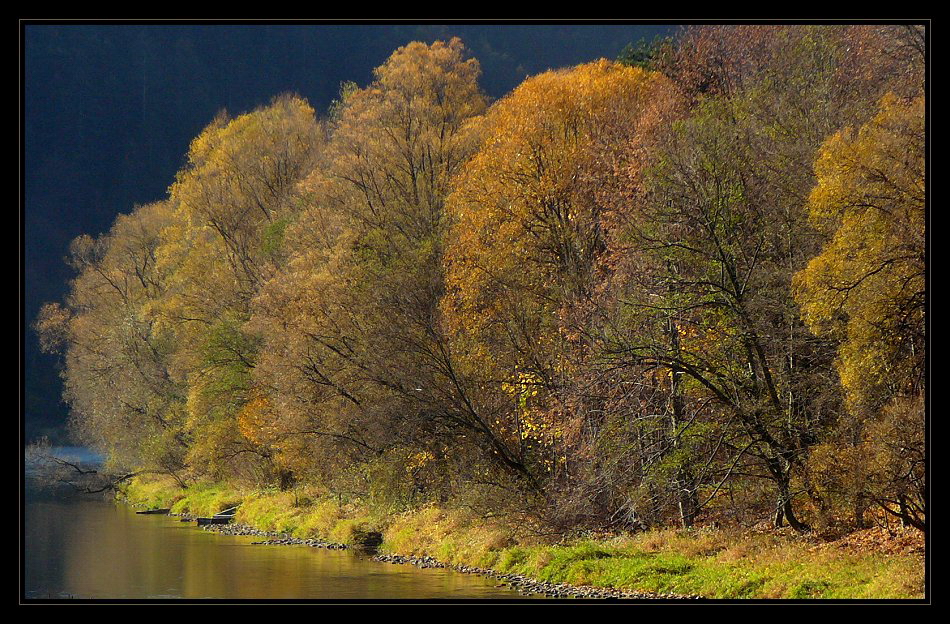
{"x": 152, "y": 493}
{"x": 775, "y": 572}
{"x": 710, "y": 563}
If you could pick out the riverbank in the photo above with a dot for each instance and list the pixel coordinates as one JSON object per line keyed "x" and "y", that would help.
{"x": 712, "y": 563}
{"x": 520, "y": 583}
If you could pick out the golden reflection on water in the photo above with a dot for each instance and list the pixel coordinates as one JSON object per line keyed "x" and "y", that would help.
{"x": 101, "y": 550}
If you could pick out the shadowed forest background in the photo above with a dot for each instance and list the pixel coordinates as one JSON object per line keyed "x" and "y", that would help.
{"x": 684, "y": 284}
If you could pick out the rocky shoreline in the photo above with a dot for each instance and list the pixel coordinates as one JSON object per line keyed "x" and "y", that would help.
{"x": 522, "y": 584}
{"x": 274, "y": 537}
{"x": 528, "y": 586}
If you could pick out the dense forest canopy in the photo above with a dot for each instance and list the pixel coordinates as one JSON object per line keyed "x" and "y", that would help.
{"x": 685, "y": 286}
{"x": 109, "y": 110}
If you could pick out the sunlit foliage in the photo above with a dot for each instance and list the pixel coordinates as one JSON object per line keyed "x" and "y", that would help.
{"x": 867, "y": 288}
{"x": 353, "y": 348}
{"x": 689, "y": 287}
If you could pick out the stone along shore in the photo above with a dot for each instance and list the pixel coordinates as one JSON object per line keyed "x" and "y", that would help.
{"x": 522, "y": 584}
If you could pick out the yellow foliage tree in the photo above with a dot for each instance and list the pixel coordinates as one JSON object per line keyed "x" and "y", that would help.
{"x": 352, "y": 344}
{"x": 116, "y": 376}
{"x": 867, "y": 289}
{"x": 233, "y": 201}
{"x": 867, "y": 285}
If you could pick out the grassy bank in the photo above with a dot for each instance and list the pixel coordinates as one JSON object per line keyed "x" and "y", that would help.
{"x": 714, "y": 563}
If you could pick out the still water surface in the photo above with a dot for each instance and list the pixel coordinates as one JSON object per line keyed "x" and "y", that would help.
{"x": 95, "y": 549}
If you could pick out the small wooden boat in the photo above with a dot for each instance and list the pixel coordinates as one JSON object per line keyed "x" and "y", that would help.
{"x": 222, "y": 517}
{"x": 163, "y": 512}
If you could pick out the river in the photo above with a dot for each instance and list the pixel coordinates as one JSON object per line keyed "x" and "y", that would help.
{"x": 80, "y": 547}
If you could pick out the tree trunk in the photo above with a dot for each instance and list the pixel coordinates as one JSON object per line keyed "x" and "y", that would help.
{"x": 784, "y": 509}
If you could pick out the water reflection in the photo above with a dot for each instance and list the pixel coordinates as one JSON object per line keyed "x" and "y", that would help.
{"x": 95, "y": 549}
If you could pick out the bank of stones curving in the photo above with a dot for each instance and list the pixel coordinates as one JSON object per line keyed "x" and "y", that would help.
{"x": 274, "y": 537}
{"x": 522, "y": 584}
{"x": 528, "y": 586}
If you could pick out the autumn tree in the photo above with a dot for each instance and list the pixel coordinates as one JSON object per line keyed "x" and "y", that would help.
{"x": 124, "y": 401}
{"x": 709, "y": 297}
{"x": 527, "y": 233}
{"x": 353, "y": 344}
{"x": 867, "y": 289}
{"x": 233, "y": 201}
{"x": 706, "y": 262}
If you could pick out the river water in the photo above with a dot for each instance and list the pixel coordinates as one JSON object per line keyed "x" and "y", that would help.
{"x": 91, "y": 548}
